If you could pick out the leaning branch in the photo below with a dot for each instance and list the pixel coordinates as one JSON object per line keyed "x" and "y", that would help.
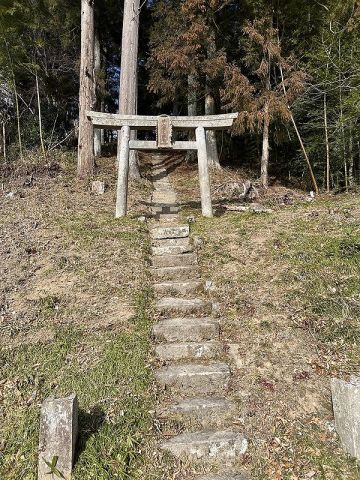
{"x": 316, "y": 188}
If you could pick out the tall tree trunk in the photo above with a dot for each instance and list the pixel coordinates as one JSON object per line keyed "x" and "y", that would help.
{"x": 351, "y": 157}
{"x": 16, "y": 99}
{"x": 39, "y": 116}
{"x": 3, "y": 139}
{"x": 97, "y": 68}
{"x": 192, "y": 103}
{"x": 327, "y": 145}
{"x": 18, "y": 118}
{"x": 211, "y": 145}
{"x": 264, "y": 177}
{"x": 128, "y": 73}
{"x": 342, "y": 128}
{"x": 86, "y": 161}
{"x": 192, "y": 111}
{"x": 102, "y": 130}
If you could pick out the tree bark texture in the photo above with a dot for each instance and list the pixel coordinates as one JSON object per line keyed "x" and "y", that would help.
{"x": 128, "y": 73}
{"x": 192, "y": 110}
{"x": 212, "y": 151}
{"x": 264, "y": 177}
{"x": 97, "y": 67}
{"x": 86, "y": 160}
{"x": 327, "y": 145}
{"x": 40, "y": 116}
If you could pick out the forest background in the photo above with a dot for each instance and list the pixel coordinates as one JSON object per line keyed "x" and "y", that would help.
{"x": 281, "y": 64}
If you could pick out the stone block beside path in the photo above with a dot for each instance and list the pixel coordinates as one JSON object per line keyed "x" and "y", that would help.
{"x": 58, "y": 435}
{"x": 346, "y": 405}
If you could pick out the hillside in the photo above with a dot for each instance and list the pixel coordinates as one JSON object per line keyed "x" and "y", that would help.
{"x": 76, "y": 312}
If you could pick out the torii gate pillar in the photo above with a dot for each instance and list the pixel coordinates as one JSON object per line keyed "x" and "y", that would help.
{"x": 123, "y": 172}
{"x": 204, "y": 178}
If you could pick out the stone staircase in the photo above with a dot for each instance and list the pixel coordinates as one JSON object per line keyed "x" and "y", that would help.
{"x": 192, "y": 372}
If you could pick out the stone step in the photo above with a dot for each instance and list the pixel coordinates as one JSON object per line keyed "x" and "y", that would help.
{"x": 171, "y": 242}
{"x": 165, "y": 208}
{"x": 163, "y": 196}
{"x": 209, "y": 412}
{"x": 168, "y": 249}
{"x": 195, "y": 379}
{"x": 176, "y": 231}
{"x": 181, "y": 288}
{"x": 167, "y": 218}
{"x": 223, "y": 447}
{"x": 225, "y": 476}
{"x": 183, "y": 306}
{"x": 168, "y": 274}
{"x": 181, "y": 260}
{"x": 188, "y": 350}
{"x": 186, "y": 330}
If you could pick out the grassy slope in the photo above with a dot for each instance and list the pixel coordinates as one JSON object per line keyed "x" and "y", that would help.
{"x": 287, "y": 284}
{"x": 74, "y": 318}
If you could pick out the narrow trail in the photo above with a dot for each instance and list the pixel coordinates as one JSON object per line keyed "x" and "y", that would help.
{"x": 193, "y": 373}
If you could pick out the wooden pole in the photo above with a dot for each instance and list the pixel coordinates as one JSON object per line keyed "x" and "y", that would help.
{"x": 4, "y": 141}
{"x": 129, "y": 72}
{"x": 86, "y": 159}
{"x": 97, "y": 68}
{"x": 204, "y": 178}
{"x": 123, "y": 172}
{"x": 39, "y": 116}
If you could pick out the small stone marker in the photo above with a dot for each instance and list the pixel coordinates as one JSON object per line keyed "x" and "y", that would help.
{"x": 58, "y": 434}
{"x": 346, "y": 405}
{"x": 98, "y": 187}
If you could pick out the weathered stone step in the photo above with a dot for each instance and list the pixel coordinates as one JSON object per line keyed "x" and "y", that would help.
{"x": 209, "y": 412}
{"x": 182, "y": 260}
{"x": 171, "y": 249}
{"x": 167, "y": 218}
{"x": 171, "y": 246}
{"x": 163, "y": 196}
{"x": 197, "y": 379}
{"x": 186, "y": 330}
{"x": 181, "y": 288}
{"x": 176, "y": 231}
{"x": 171, "y": 242}
{"x": 188, "y": 350}
{"x": 165, "y": 208}
{"x": 183, "y": 306}
{"x": 221, "y": 446}
{"x": 225, "y": 476}
{"x": 175, "y": 273}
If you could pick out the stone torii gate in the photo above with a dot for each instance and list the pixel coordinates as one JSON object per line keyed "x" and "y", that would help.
{"x": 164, "y": 126}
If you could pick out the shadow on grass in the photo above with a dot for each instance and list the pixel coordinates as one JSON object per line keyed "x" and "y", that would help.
{"x": 89, "y": 424}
